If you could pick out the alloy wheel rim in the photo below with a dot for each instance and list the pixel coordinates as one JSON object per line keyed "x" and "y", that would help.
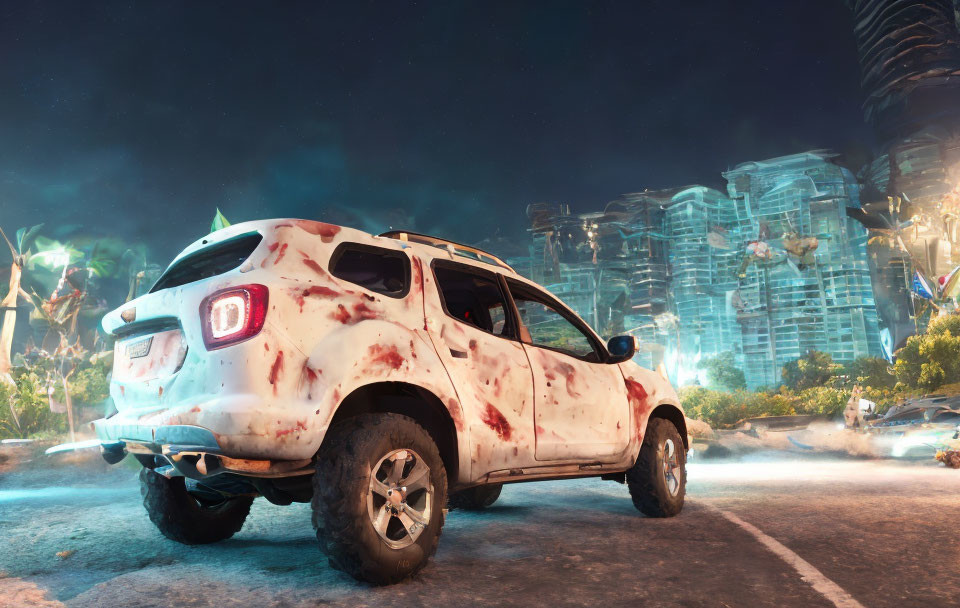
{"x": 672, "y": 469}
{"x": 400, "y": 498}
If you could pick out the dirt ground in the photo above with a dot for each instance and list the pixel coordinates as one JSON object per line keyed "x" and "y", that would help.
{"x": 75, "y": 534}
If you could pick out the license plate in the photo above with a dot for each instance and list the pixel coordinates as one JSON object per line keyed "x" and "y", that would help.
{"x": 140, "y": 348}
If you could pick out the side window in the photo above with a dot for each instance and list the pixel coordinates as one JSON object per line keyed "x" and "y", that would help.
{"x": 380, "y": 270}
{"x": 473, "y": 297}
{"x": 547, "y": 326}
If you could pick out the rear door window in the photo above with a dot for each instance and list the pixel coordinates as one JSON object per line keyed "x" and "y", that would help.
{"x": 383, "y": 271}
{"x": 473, "y": 297}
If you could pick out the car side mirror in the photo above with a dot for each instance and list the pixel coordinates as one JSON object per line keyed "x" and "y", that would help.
{"x": 621, "y": 348}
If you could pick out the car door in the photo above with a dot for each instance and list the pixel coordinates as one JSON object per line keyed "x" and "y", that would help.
{"x": 474, "y": 331}
{"x": 581, "y": 407}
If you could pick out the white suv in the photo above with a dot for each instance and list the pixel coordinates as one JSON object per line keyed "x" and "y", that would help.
{"x": 371, "y": 376}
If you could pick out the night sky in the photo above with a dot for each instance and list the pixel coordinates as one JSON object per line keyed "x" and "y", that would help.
{"x": 138, "y": 119}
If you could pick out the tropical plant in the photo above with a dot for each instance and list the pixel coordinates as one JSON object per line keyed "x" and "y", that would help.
{"x": 20, "y": 254}
{"x": 219, "y": 222}
{"x": 26, "y": 410}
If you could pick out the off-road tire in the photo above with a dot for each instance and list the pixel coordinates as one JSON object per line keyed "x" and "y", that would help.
{"x": 646, "y": 479}
{"x": 340, "y": 486}
{"x": 476, "y": 498}
{"x": 181, "y": 517}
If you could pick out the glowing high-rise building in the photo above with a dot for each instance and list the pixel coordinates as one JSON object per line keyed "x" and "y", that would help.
{"x": 767, "y": 271}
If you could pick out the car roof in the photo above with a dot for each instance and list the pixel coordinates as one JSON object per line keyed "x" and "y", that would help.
{"x": 428, "y": 247}
{"x": 452, "y": 247}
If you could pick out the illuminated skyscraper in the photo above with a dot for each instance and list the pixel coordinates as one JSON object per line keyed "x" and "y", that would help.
{"x": 677, "y": 268}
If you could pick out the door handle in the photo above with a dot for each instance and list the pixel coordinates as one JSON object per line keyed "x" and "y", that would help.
{"x": 459, "y": 354}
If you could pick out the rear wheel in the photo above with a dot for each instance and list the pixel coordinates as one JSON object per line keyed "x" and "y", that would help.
{"x": 474, "y": 499}
{"x": 379, "y": 493}
{"x": 658, "y": 480}
{"x": 188, "y": 518}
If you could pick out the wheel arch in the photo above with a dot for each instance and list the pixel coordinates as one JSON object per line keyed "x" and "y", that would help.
{"x": 669, "y": 411}
{"x": 407, "y": 399}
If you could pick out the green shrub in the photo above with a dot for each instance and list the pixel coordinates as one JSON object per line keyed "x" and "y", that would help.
{"x": 932, "y": 359}
{"x": 942, "y": 325}
{"x": 822, "y": 401}
{"x": 813, "y": 369}
{"x": 32, "y": 411}
{"x": 90, "y": 386}
{"x": 722, "y": 409}
{"x": 723, "y": 373}
{"x": 871, "y": 372}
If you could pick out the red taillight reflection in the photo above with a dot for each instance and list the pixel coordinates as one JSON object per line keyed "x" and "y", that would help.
{"x": 233, "y": 315}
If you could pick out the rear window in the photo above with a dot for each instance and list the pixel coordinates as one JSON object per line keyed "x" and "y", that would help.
{"x": 379, "y": 270}
{"x": 210, "y": 261}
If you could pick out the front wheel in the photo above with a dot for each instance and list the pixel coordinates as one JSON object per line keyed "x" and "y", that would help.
{"x": 379, "y": 492}
{"x": 658, "y": 480}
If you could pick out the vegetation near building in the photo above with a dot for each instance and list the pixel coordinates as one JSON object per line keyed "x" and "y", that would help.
{"x": 931, "y": 359}
{"x": 813, "y": 369}
{"x": 723, "y": 373}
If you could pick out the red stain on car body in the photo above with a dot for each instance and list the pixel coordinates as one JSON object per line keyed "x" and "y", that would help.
{"x": 386, "y": 355}
{"x": 361, "y": 312}
{"x": 315, "y": 290}
{"x": 319, "y": 290}
{"x": 313, "y": 265}
{"x": 417, "y": 279}
{"x": 639, "y": 401}
{"x": 570, "y": 373}
{"x": 342, "y": 314}
{"x": 492, "y": 417}
{"x": 321, "y": 229}
{"x": 275, "y": 370}
{"x": 454, "y": 408}
{"x": 282, "y": 252}
{"x": 272, "y": 248}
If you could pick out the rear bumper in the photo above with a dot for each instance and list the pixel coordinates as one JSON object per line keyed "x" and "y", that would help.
{"x": 236, "y": 425}
{"x": 187, "y": 451}
{"x": 187, "y": 436}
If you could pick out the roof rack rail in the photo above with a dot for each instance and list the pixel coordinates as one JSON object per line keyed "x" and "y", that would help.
{"x": 457, "y": 248}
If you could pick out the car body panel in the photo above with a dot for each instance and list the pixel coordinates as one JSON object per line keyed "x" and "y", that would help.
{"x": 581, "y": 408}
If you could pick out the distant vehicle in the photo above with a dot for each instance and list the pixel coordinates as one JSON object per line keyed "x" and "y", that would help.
{"x": 917, "y": 427}
{"x": 371, "y": 375}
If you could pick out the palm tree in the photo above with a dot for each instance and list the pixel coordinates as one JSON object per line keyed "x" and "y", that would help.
{"x": 8, "y": 306}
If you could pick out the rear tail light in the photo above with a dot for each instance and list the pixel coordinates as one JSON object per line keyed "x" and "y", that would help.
{"x": 233, "y": 315}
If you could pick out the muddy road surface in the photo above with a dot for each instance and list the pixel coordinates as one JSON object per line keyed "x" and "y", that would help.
{"x": 767, "y": 529}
